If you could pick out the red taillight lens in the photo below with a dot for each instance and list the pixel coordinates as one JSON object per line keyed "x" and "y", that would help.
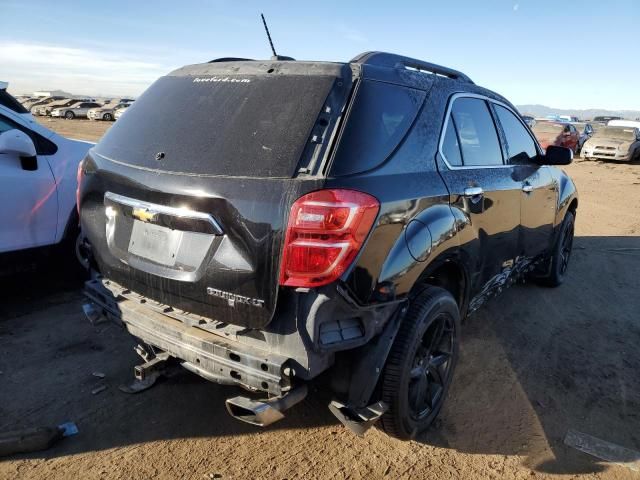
{"x": 79, "y": 174}
{"x": 325, "y": 232}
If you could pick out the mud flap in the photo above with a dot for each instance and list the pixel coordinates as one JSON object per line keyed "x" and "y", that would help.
{"x": 358, "y": 420}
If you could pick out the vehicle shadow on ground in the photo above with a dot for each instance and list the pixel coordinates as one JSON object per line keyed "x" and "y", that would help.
{"x": 534, "y": 364}
{"x": 541, "y": 361}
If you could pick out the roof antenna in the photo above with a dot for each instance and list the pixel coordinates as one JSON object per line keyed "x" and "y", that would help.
{"x": 275, "y": 55}
{"x": 264, "y": 22}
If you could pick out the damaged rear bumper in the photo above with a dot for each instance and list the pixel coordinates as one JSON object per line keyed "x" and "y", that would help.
{"x": 217, "y": 358}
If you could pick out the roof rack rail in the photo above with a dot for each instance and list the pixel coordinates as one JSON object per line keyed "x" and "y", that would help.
{"x": 230, "y": 59}
{"x": 391, "y": 60}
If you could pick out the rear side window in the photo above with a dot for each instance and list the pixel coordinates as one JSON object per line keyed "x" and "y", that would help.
{"x": 381, "y": 116}
{"x": 450, "y": 145}
{"x": 6, "y": 100}
{"x": 520, "y": 145}
{"x": 476, "y": 131}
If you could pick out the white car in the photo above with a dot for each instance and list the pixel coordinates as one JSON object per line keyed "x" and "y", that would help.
{"x": 106, "y": 112}
{"x": 77, "y": 110}
{"x": 38, "y": 183}
{"x": 120, "y": 112}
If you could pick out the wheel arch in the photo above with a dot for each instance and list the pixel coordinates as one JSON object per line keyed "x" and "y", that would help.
{"x": 450, "y": 272}
{"x": 567, "y": 198}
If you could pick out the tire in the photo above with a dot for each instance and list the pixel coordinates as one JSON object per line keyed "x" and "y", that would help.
{"x": 82, "y": 250}
{"x": 69, "y": 115}
{"x": 561, "y": 253}
{"x": 108, "y": 117}
{"x": 413, "y": 372}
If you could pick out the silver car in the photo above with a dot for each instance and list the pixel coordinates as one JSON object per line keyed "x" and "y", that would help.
{"x": 613, "y": 143}
{"x": 77, "y": 110}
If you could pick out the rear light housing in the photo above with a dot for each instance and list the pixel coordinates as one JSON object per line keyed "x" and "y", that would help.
{"x": 325, "y": 232}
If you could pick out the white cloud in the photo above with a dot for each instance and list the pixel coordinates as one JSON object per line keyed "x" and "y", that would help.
{"x": 29, "y": 67}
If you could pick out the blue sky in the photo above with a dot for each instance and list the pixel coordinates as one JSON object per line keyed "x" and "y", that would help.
{"x": 564, "y": 54}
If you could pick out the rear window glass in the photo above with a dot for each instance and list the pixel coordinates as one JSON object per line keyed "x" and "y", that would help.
{"x": 616, "y": 132}
{"x": 381, "y": 116}
{"x": 250, "y": 125}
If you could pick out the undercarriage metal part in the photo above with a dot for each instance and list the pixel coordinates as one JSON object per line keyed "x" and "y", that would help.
{"x": 149, "y": 372}
{"x": 264, "y": 412}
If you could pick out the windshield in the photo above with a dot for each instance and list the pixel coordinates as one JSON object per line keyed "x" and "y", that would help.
{"x": 619, "y": 133}
{"x": 254, "y": 125}
{"x": 547, "y": 128}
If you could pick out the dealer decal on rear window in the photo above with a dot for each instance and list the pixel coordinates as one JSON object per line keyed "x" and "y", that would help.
{"x": 221, "y": 80}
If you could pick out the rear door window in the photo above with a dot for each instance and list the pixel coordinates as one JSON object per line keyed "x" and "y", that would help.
{"x": 520, "y": 145}
{"x": 476, "y": 132}
{"x": 380, "y": 117}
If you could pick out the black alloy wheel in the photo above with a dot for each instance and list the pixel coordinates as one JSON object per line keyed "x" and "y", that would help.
{"x": 420, "y": 366}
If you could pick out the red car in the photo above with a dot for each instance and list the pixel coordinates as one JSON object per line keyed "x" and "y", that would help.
{"x": 557, "y": 133}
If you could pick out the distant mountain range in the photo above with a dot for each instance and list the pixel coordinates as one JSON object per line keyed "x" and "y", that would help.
{"x": 543, "y": 111}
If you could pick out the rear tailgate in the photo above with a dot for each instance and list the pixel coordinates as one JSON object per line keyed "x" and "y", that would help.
{"x": 186, "y": 197}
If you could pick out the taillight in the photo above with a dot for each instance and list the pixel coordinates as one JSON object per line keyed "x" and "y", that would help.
{"x": 78, "y": 180}
{"x": 325, "y": 232}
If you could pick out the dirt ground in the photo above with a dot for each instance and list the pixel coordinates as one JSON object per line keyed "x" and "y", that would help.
{"x": 534, "y": 364}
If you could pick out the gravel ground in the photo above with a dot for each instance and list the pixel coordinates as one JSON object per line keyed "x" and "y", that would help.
{"x": 534, "y": 364}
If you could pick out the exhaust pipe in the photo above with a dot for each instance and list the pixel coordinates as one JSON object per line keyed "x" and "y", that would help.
{"x": 264, "y": 412}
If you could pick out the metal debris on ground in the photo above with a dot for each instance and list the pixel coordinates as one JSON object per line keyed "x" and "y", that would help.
{"x": 34, "y": 439}
{"x": 603, "y": 450}
{"x": 93, "y": 314}
{"x": 98, "y": 389}
{"x": 68, "y": 429}
{"x": 98, "y": 374}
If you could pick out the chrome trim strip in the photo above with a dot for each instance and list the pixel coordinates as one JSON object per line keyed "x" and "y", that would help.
{"x": 163, "y": 209}
{"x": 446, "y": 123}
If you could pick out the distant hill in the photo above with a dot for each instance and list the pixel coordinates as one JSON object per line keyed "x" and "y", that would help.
{"x": 543, "y": 111}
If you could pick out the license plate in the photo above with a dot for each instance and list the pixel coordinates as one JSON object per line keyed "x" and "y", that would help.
{"x": 155, "y": 243}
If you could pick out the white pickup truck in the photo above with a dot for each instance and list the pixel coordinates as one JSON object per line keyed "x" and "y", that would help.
{"x": 38, "y": 182}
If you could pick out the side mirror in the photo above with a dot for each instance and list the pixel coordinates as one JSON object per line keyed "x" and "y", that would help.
{"x": 17, "y": 142}
{"x": 557, "y": 156}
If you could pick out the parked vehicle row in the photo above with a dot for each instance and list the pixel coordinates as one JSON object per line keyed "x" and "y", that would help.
{"x": 614, "y": 140}
{"x": 70, "y": 108}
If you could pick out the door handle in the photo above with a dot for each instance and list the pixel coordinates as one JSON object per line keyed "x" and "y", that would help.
{"x": 527, "y": 188}
{"x": 471, "y": 192}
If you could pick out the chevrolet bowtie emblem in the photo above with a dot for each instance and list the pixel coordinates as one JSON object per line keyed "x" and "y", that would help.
{"x": 143, "y": 214}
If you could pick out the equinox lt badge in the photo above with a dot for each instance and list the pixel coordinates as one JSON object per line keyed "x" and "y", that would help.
{"x": 232, "y": 298}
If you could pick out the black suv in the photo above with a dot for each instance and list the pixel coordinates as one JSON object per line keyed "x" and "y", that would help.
{"x": 264, "y": 222}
